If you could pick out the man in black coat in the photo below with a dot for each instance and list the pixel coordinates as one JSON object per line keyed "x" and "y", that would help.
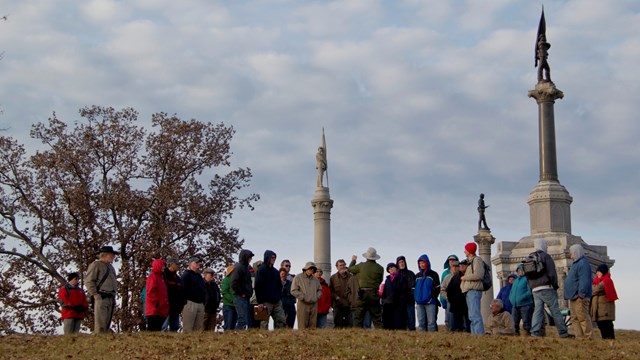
{"x": 175, "y": 290}
{"x": 268, "y": 289}
{"x": 242, "y": 290}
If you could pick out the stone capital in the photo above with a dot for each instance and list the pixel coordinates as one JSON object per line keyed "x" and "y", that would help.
{"x": 546, "y": 91}
{"x": 484, "y": 238}
{"x": 322, "y": 205}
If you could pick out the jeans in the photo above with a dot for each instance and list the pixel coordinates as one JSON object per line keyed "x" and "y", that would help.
{"x": 321, "y": 321}
{"x": 244, "y": 311}
{"x": 230, "y": 317}
{"x": 525, "y": 313}
{"x": 550, "y": 298}
{"x": 427, "y": 317}
{"x": 474, "y": 300}
{"x": 411, "y": 317}
{"x": 172, "y": 323}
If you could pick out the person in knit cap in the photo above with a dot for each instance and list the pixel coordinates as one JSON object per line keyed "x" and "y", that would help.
{"x": 504, "y": 292}
{"x": 74, "y": 304}
{"x": 603, "y": 306}
{"x": 577, "y": 290}
{"x": 472, "y": 287}
{"x": 394, "y": 300}
{"x": 229, "y": 314}
{"x": 521, "y": 299}
{"x": 370, "y": 275}
{"x": 544, "y": 288}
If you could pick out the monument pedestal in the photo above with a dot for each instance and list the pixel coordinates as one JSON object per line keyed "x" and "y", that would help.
{"x": 322, "y": 205}
{"x": 484, "y": 239}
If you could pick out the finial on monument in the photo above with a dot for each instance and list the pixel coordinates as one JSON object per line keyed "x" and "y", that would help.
{"x": 321, "y": 162}
{"x": 542, "y": 51}
{"x": 482, "y": 220}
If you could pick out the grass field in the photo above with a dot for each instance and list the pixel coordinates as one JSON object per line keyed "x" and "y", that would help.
{"x": 318, "y": 344}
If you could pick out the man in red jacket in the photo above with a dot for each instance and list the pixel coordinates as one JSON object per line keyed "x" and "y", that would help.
{"x": 74, "y": 304}
{"x": 157, "y": 301}
{"x": 324, "y": 303}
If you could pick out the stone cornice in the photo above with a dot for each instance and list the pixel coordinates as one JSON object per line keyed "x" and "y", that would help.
{"x": 546, "y": 91}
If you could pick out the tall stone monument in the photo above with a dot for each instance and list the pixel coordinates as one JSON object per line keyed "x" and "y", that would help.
{"x": 549, "y": 201}
{"x": 322, "y": 205}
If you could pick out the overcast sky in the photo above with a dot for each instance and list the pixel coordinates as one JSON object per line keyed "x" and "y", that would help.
{"x": 424, "y": 104}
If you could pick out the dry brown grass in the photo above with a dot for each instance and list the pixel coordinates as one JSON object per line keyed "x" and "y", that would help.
{"x": 319, "y": 344}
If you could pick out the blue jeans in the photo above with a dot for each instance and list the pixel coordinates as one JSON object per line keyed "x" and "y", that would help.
{"x": 230, "y": 317}
{"x": 474, "y": 301}
{"x": 550, "y": 298}
{"x": 525, "y": 313}
{"x": 321, "y": 321}
{"x": 427, "y": 317}
{"x": 172, "y": 323}
{"x": 411, "y": 317}
{"x": 244, "y": 311}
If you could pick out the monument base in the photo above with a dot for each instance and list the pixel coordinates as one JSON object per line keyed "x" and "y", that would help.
{"x": 484, "y": 239}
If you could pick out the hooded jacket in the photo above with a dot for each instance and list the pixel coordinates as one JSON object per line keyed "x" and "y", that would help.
{"x": 520, "y": 294}
{"x": 578, "y": 281}
{"x": 268, "y": 285}
{"x": 241, "y": 277}
{"x": 446, "y": 272}
{"x": 175, "y": 289}
{"x": 157, "y": 299}
{"x": 550, "y": 277}
{"x": 74, "y": 302}
{"x": 410, "y": 278}
{"x": 324, "y": 302}
{"x": 427, "y": 286}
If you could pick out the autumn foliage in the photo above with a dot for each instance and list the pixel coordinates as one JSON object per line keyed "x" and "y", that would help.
{"x": 106, "y": 180}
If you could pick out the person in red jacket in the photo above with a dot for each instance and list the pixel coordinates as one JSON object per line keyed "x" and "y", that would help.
{"x": 324, "y": 303}
{"x": 74, "y": 304}
{"x": 157, "y": 300}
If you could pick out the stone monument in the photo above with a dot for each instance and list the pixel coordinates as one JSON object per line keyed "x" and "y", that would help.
{"x": 549, "y": 201}
{"x": 322, "y": 205}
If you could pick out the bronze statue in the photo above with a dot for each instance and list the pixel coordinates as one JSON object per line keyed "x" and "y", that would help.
{"x": 542, "y": 51}
{"x": 483, "y": 219}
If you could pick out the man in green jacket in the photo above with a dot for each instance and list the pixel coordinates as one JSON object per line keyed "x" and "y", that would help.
{"x": 370, "y": 276}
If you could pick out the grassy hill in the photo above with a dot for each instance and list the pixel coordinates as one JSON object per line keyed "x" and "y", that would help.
{"x": 318, "y": 344}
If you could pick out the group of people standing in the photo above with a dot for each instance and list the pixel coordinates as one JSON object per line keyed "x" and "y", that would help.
{"x": 358, "y": 293}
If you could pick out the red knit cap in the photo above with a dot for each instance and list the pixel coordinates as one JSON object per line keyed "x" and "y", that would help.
{"x": 471, "y": 247}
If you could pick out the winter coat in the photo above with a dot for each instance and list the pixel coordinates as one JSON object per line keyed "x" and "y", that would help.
{"x": 340, "y": 286}
{"x": 549, "y": 277}
{"x": 578, "y": 281}
{"x": 241, "y": 284}
{"x": 225, "y": 289}
{"x": 95, "y": 274}
{"x": 177, "y": 300}
{"x": 500, "y": 324}
{"x": 456, "y": 299}
{"x": 306, "y": 288}
{"x": 520, "y": 294}
{"x": 370, "y": 273}
{"x": 354, "y": 297}
{"x": 395, "y": 291}
{"x": 601, "y": 308}
{"x": 324, "y": 303}
{"x": 503, "y": 295}
{"x": 427, "y": 281}
{"x": 410, "y": 276}
{"x": 194, "y": 290}
{"x": 473, "y": 275}
{"x": 445, "y": 273}
{"x": 287, "y": 298}
{"x": 74, "y": 302}
{"x": 157, "y": 299}
{"x": 268, "y": 285}
{"x": 212, "y": 297}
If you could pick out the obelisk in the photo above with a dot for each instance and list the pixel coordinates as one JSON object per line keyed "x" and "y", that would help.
{"x": 322, "y": 205}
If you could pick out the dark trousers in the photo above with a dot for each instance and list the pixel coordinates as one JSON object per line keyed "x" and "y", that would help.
{"x": 394, "y": 317}
{"x": 524, "y": 313}
{"x": 342, "y": 317}
{"x": 210, "y": 320}
{"x": 606, "y": 329}
{"x": 154, "y": 322}
{"x": 461, "y": 322}
{"x": 369, "y": 301}
{"x": 289, "y": 314}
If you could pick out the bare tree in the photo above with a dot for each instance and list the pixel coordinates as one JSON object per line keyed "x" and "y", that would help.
{"x": 107, "y": 181}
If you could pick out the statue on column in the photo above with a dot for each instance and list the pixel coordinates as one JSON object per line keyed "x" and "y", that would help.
{"x": 542, "y": 52}
{"x": 321, "y": 165}
{"x": 483, "y": 219}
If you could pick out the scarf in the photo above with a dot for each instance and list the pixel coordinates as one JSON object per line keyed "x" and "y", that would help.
{"x": 609, "y": 288}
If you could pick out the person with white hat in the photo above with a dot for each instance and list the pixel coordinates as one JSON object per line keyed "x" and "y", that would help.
{"x": 102, "y": 285}
{"x": 307, "y": 289}
{"x": 370, "y": 275}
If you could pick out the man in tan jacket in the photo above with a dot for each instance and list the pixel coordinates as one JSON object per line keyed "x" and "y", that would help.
{"x": 472, "y": 286}
{"x": 307, "y": 289}
{"x": 102, "y": 285}
{"x": 500, "y": 322}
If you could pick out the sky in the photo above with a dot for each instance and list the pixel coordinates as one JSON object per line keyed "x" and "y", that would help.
{"x": 424, "y": 105}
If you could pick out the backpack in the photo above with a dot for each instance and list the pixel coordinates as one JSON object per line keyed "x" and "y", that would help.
{"x": 486, "y": 278}
{"x": 422, "y": 291}
{"x": 533, "y": 266}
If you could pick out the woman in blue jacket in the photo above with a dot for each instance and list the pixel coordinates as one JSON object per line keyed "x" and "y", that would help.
{"x": 521, "y": 300}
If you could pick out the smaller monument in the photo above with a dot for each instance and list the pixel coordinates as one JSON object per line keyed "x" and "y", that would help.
{"x": 482, "y": 220}
{"x": 484, "y": 239}
{"x": 322, "y": 205}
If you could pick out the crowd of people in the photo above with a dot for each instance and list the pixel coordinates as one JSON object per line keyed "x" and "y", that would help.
{"x": 357, "y": 295}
